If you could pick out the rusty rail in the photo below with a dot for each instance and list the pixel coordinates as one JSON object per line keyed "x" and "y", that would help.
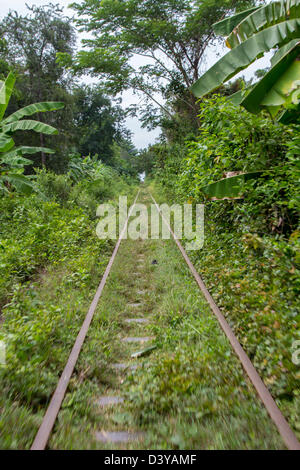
{"x": 277, "y": 417}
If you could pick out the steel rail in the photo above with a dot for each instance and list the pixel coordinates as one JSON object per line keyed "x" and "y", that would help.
{"x": 52, "y": 411}
{"x": 277, "y": 417}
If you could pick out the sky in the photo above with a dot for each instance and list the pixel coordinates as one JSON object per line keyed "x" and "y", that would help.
{"x": 141, "y": 137}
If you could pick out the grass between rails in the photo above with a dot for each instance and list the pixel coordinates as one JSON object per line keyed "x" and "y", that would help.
{"x": 190, "y": 393}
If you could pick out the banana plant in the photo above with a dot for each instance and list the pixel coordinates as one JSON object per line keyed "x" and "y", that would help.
{"x": 251, "y": 33}
{"x": 12, "y": 159}
{"x": 276, "y": 25}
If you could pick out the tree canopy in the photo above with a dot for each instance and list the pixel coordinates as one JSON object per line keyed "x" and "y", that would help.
{"x": 172, "y": 36}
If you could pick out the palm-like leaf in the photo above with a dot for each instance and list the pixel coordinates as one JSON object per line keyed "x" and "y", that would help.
{"x": 245, "y": 54}
{"x": 33, "y": 109}
{"x": 6, "y": 142}
{"x": 13, "y": 157}
{"x": 274, "y": 90}
{"x": 283, "y": 51}
{"x": 20, "y": 182}
{"x": 6, "y": 89}
{"x": 15, "y": 161}
{"x": 23, "y": 150}
{"x": 290, "y": 116}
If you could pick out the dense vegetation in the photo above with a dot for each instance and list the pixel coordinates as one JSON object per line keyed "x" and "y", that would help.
{"x": 90, "y": 122}
{"x": 233, "y": 146}
{"x": 245, "y": 168}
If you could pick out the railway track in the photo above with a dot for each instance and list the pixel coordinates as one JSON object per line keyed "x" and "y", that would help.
{"x": 44, "y": 432}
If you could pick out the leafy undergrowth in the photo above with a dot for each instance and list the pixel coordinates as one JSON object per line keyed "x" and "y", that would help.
{"x": 40, "y": 230}
{"x": 52, "y": 261}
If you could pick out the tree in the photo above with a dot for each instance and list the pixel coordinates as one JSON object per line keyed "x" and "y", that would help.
{"x": 172, "y": 35}
{"x": 29, "y": 45}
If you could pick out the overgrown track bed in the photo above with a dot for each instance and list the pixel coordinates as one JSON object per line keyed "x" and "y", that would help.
{"x": 182, "y": 394}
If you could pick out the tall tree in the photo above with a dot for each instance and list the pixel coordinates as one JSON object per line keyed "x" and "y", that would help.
{"x": 29, "y": 45}
{"x": 98, "y": 123}
{"x": 173, "y": 35}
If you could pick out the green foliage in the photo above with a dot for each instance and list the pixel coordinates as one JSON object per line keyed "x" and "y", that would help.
{"x": 98, "y": 121}
{"x": 90, "y": 123}
{"x": 274, "y": 13}
{"x": 281, "y": 82}
{"x": 225, "y": 26}
{"x": 231, "y": 142}
{"x": 276, "y": 25}
{"x": 51, "y": 261}
{"x": 244, "y": 55}
{"x": 255, "y": 280}
{"x": 35, "y": 331}
{"x": 230, "y": 187}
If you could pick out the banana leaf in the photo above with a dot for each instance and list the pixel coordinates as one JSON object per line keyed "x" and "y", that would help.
{"x": 229, "y": 188}
{"x": 264, "y": 17}
{"x": 275, "y": 88}
{"x": 15, "y": 160}
{"x": 245, "y": 54}
{"x": 6, "y": 89}
{"x": 143, "y": 352}
{"x": 29, "y": 125}
{"x": 32, "y": 109}
{"x": 224, "y": 27}
{"x": 237, "y": 97}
